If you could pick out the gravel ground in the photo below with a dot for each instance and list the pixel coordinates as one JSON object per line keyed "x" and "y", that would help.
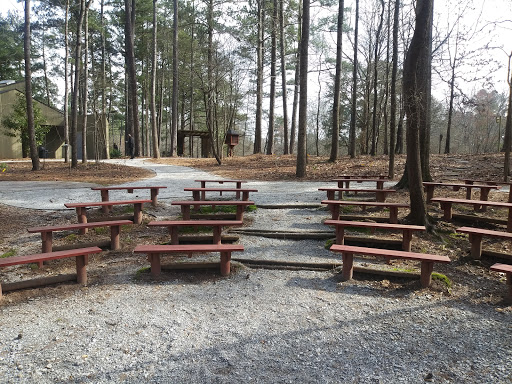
{"x": 255, "y": 326}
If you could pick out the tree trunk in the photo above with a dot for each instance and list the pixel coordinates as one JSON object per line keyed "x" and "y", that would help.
{"x": 508, "y": 125}
{"x": 34, "y": 155}
{"x": 353, "y": 114}
{"x": 273, "y": 58}
{"x": 66, "y": 84}
{"x": 394, "y": 70}
{"x": 375, "y": 81}
{"x": 416, "y": 103}
{"x": 175, "y": 80}
{"x": 85, "y": 82}
{"x": 154, "y": 127}
{"x": 337, "y": 85}
{"x": 296, "y": 88}
{"x": 303, "y": 98}
{"x": 74, "y": 95}
{"x": 132, "y": 76}
{"x": 103, "y": 133}
{"x": 282, "y": 47}
{"x": 259, "y": 77}
{"x": 450, "y": 112}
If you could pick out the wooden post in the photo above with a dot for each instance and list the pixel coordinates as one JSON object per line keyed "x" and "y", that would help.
{"x": 406, "y": 242}
{"x": 137, "y": 213}
{"x": 509, "y": 222}
{"x": 81, "y": 269}
{"x": 393, "y": 215}
{"x": 225, "y": 264}
{"x": 426, "y": 273}
{"x": 154, "y": 194}
{"x": 430, "y": 192}
{"x": 81, "y": 213}
{"x": 46, "y": 239}
{"x": 104, "y": 197}
{"x": 340, "y": 234}
{"x": 446, "y": 206}
{"x": 156, "y": 268}
{"x": 476, "y": 245}
{"x": 348, "y": 265}
{"x": 335, "y": 211}
{"x": 217, "y": 232}
{"x": 240, "y": 212}
{"x": 115, "y": 231}
{"x": 185, "y": 212}
{"x": 174, "y": 231}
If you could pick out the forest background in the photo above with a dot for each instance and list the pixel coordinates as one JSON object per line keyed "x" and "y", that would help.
{"x": 224, "y": 66}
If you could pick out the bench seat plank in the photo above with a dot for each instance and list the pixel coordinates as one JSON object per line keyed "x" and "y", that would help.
{"x": 47, "y": 231}
{"x": 200, "y": 193}
{"x": 216, "y": 225}
{"x": 81, "y": 208}
{"x": 81, "y": 255}
{"x": 154, "y": 252}
{"x": 427, "y": 260}
{"x": 380, "y": 194}
{"x": 507, "y": 269}
{"x": 407, "y": 230}
{"x": 334, "y": 206}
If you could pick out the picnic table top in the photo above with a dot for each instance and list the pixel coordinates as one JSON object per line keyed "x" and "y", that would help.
{"x": 374, "y": 203}
{"x": 220, "y": 223}
{"x": 212, "y": 202}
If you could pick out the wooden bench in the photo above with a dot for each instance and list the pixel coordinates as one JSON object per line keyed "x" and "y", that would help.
{"x": 200, "y": 193}
{"x": 345, "y": 182}
{"x": 407, "y": 230}
{"x": 238, "y": 184}
{"x": 363, "y": 177}
{"x": 484, "y": 189}
{"x": 446, "y": 206}
{"x": 105, "y": 190}
{"x": 81, "y": 208}
{"x": 334, "y": 206}
{"x": 380, "y": 194}
{"x": 427, "y": 260}
{"x": 47, "y": 232}
{"x": 81, "y": 255}
{"x": 154, "y": 252}
{"x": 476, "y": 235}
{"x": 216, "y": 225}
{"x": 507, "y": 269}
{"x": 490, "y": 182}
{"x": 186, "y": 204}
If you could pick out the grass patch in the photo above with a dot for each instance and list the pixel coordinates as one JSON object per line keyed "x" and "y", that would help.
{"x": 408, "y": 270}
{"x": 329, "y": 243}
{"x": 128, "y": 209}
{"x": 194, "y": 229}
{"x": 141, "y": 271}
{"x": 442, "y": 278}
{"x": 9, "y": 253}
{"x": 3, "y": 167}
{"x": 71, "y": 237}
{"x": 100, "y": 230}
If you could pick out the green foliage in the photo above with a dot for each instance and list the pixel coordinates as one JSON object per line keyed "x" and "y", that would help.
{"x": 3, "y": 167}
{"x": 11, "y": 47}
{"x": 329, "y": 243}
{"x": 15, "y": 124}
{"x": 9, "y": 253}
{"x": 71, "y": 237}
{"x": 100, "y": 230}
{"x": 115, "y": 153}
{"x": 442, "y": 278}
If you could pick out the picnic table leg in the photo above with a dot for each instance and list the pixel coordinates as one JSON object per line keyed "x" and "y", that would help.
{"x": 185, "y": 212}
{"x": 447, "y": 209}
{"x": 476, "y": 245}
{"x": 217, "y": 234}
{"x": 348, "y": 266}
{"x": 104, "y": 197}
{"x": 156, "y": 267}
{"x": 430, "y": 192}
{"x": 173, "y": 230}
{"x": 137, "y": 213}
{"x": 115, "y": 231}
{"x": 240, "y": 212}
{"x": 393, "y": 215}
{"x": 484, "y": 196}
{"x": 81, "y": 269}
{"x": 507, "y": 299}
{"x": 335, "y": 210}
{"x": 380, "y": 184}
{"x": 330, "y": 195}
{"x": 340, "y": 234}
{"x": 225, "y": 263}
{"x": 426, "y": 273}
{"x": 46, "y": 239}
{"x": 82, "y": 218}
{"x": 510, "y": 193}
{"x": 154, "y": 198}
{"x": 406, "y": 242}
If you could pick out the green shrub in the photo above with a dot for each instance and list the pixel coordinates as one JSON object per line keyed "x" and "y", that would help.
{"x": 115, "y": 153}
{"x": 3, "y": 167}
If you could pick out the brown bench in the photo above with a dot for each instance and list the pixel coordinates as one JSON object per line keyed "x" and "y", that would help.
{"x": 216, "y": 225}
{"x": 429, "y": 187}
{"x": 490, "y": 182}
{"x": 507, "y": 269}
{"x": 47, "y": 232}
{"x": 427, "y": 260}
{"x": 238, "y": 184}
{"x": 186, "y": 204}
{"x": 105, "y": 190}
{"x": 407, "y": 230}
{"x": 334, "y": 207}
{"x": 81, "y": 255}
{"x": 380, "y": 194}
{"x": 199, "y": 193}
{"x": 475, "y": 238}
{"x": 446, "y": 206}
{"x": 345, "y": 182}
{"x": 154, "y": 252}
{"x": 81, "y": 208}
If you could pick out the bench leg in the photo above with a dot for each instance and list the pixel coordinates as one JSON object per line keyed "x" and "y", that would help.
{"x": 115, "y": 231}
{"x": 509, "y": 222}
{"x": 137, "y": 213}
{"x": 245, "y": 196}
{"x": 447, "y": 210}
{"x": 340, "y": 234}
{"x": 406, "y": 242}
{"x": 195, "y": 195}
{"x": 46, "y": 239}
{"x": 393, "y": 215}
{"x": 156, "y": 267}
{"x": 430, "y": 192}
{"x": 174, "y": 230}
{"x": 82, "y": 218}
{"x": 81, "y": 269}
{"x": 348, "y": 266}
{"x": 225, "y": 263}
{"x": 335, "y": 210}
{"x": 240, "y": 212}
{"x": 330, "y": 195}
{"x": 426, "y": 273}
{"x": 508, "y": 298}
{"x": 154, "y": 194}
{"x": 476, "y": 245}
{"x": 104, "y": 197}
{"x": 468, "y": 193}
{"x": 217, "y": 234}
{"x": 380, "y": 196}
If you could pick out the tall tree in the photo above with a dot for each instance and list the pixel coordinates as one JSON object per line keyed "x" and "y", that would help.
{"x": 282, "y": 52}
{"x": 416, "y": 88}
{"x": 85, "y": 81}
{"x": 273, "y": 58}
{"x": 28, "y": 92}
{"x": 353, "y": 114}
{"x": 508, "y": 124}
{"x": 175, "y": 80}
{"x": 133, "y": 110}
{"x": 259, "y": 76}
{"x": 394, "y": 70}
{"x": 66, "y": 83}
{"x": 303, "y": 98}
{"x": 154, "y": 127}
{"x": 373, "y": 151}
{"x": 337, "y": 84}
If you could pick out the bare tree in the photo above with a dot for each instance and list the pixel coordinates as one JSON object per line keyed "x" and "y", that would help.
{"x": 154, "y": 127}
{"x": 175, "y": 81}
{"x": 394, "y": 70}
{"x": 375, "y": 80}
{"x": 282, "y": 53}
{"x": 133, "y": 110}
{"x": 259, "y": 77}
{"x": 353, "y": 114}
{"x": 508, "y": 124}
{"x": 273, "y": 56}
{"x": 303, "y": 98}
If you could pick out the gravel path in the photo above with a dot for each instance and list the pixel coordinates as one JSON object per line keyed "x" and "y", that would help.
{"x": 255, "y": 326}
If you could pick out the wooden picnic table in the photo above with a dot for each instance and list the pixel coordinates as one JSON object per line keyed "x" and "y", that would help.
{"x": 429, "y": 187}
{"x": 334, "y": 206}
{"x": 105, "y": 191}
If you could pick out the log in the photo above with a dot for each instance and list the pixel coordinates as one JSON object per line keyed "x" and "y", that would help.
{"x": 38, "y": 282}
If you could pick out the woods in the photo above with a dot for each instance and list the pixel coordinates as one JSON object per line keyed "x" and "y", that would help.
{"x": 224, "y": 66}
